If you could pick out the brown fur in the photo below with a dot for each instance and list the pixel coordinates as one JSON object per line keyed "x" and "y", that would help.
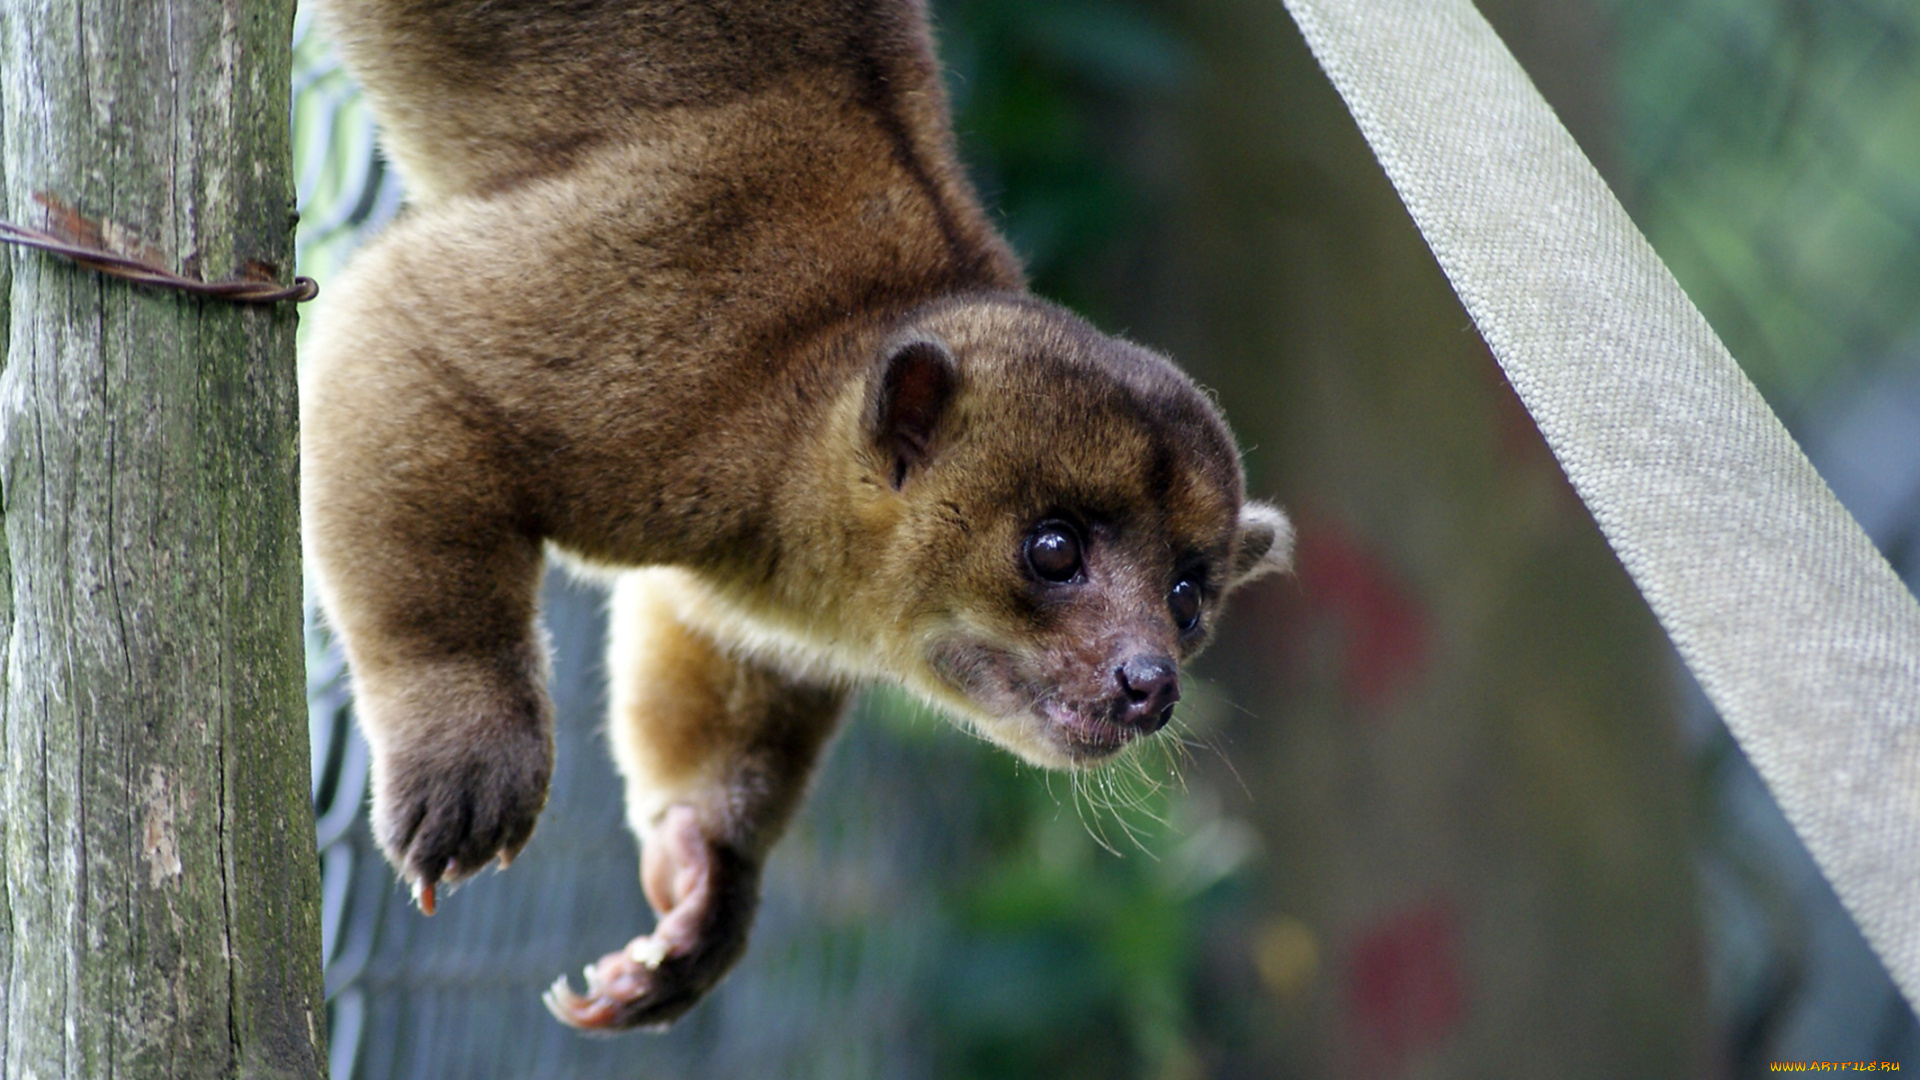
{"x": 703, "y": 287}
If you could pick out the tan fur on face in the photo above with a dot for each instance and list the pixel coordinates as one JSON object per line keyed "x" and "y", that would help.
{"x": 659, "y": 273}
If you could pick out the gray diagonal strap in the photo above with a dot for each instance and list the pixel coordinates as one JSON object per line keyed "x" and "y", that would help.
{"x": 1797, "y": 628}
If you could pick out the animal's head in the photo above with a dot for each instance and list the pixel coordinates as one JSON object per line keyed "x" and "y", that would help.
{"x": 1066, "y": 517}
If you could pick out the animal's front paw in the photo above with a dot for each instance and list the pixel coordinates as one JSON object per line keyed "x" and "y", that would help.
{"x": 705, "y": 893}
{"x": 443, "y": 810}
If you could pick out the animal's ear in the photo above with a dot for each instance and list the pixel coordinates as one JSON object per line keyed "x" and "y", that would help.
{"x": 912, "y": 394}
{"x": 1266, "y": 542}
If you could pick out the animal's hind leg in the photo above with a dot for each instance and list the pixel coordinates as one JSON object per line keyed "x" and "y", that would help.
{"x": 716, "y": 752}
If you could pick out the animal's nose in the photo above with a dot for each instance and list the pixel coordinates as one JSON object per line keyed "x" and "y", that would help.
{"x": 1149, "y": 686}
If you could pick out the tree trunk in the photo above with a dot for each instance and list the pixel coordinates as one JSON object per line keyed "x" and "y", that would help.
{"x": 159, "y": 907}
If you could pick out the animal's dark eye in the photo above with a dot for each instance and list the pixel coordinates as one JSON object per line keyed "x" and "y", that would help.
{"x": 1184, "y": 602}
{"x": 1053, "y": 552}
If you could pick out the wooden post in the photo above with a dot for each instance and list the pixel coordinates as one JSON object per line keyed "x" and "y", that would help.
{"x": 159, "y": 912}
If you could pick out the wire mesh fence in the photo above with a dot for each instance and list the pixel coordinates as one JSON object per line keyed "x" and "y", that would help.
{"x": 937, "y": 913}
{"x": 825, "y": 993}
{"x": 895, "y": 933}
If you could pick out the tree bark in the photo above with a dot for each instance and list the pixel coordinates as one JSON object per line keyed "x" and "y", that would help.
{"x": 159, "y": 910}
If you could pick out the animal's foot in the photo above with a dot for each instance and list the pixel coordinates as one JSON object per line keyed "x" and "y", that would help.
{"x": 705, "y": 893}
{"x": 442, "y": 812}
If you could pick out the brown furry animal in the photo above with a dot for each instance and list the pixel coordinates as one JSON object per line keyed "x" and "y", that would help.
{"x": 698, "y": 295}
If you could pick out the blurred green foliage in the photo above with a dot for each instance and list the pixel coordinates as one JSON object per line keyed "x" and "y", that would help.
{"x": 1769, "y": 149}
{"x": 1071, "y": 945}
{"x": 1042, "y": 91}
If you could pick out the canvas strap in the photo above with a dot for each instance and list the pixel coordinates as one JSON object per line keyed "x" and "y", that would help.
{"x": 1802, "y": 635}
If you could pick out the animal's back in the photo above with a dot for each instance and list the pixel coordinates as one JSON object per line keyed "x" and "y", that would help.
{"x": 476, "y": 96}
{"x": 628, "y": 213}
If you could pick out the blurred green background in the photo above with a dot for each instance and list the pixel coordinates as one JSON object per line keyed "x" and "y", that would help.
{"x": 1442, "y": 803}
